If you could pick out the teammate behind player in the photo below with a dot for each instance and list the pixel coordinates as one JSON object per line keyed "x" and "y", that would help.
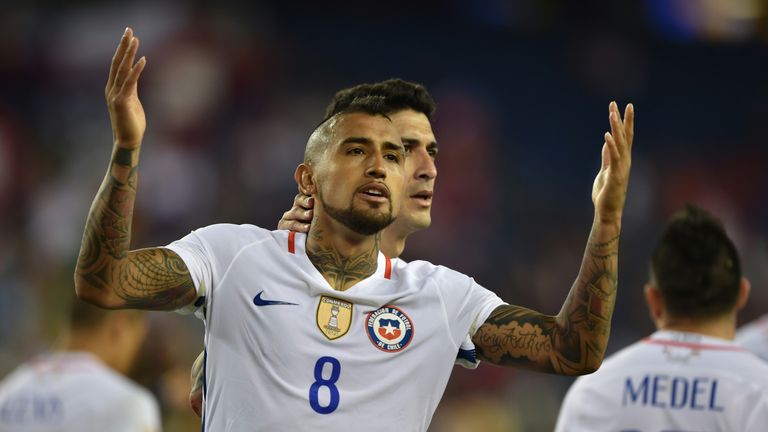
{"x": 80, "y": 386}
{"x": 330, "y": 335}
{"x": 689, "y": 375}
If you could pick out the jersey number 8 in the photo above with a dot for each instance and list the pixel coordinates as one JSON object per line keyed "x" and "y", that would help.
{"x": 330, "y": 383}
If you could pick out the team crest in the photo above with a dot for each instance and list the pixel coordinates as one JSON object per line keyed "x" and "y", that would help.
{"x": 334, "y": 317}
{"x": 389, "y": 329}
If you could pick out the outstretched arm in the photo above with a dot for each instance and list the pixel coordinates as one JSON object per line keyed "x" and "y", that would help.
{"x": 574, "y": 341}
{"x": 108, "y": 274}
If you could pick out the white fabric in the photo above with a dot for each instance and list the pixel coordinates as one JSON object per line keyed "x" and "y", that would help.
{"x": 74, "y": 392}
{"x": 263, "y": 361}
{"x": 672, "y": 381}
{"x": 754, "y": 337}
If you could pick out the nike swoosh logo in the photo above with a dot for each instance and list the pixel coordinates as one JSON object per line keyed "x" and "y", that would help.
{"x": 258, "y": 301}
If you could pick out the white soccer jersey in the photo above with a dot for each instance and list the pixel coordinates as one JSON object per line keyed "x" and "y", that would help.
{"x": 285, "y": 351}
{"x": 74, "y": 392}
{"x": 754, "y": 337}
{"x": 672, "y": 381}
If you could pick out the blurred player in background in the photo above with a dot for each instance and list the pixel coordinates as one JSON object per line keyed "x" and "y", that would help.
{"x": 754, "y": 337}
{"x": 80, "y": 386}
{"x": 330, "y": 338}
{"x": 689, "y": 375}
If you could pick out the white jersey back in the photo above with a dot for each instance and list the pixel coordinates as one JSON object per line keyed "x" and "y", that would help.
{"x": 74, "y": 392}
{"x": 285, "y": 351}
{"x": 754, "y": 337}
{"x": 672, "y": 381}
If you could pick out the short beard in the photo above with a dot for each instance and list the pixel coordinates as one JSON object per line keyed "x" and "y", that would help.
{"x": 356, "y": 220}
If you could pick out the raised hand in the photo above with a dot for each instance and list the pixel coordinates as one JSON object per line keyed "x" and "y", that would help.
{"x": 609, "y": 190}
{"x": 125, "y": 110}
{"x": 299, "y": 217}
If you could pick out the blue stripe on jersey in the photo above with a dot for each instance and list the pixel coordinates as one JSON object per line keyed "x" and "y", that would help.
{"x": 468, "y": 355}
{"x": 205, "y": 386}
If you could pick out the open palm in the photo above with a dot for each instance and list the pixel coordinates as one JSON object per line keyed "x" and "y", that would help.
{"x": 125, "y": 110}
{"x": 609, "y": 190}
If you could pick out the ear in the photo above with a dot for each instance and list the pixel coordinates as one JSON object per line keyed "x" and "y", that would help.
{"x": 655, "y": 302}
{"x": 304, "y": 177}
{"x": 744, "y": 289}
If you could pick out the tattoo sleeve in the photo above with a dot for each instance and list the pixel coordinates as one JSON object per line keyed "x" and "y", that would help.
{"x": 107, "y": 272}
{"x": 574, "y": 341}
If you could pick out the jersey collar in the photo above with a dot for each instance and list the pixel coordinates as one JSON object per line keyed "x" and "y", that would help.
{"x": 691, "y": 340}
{"x": 297, "y": 242}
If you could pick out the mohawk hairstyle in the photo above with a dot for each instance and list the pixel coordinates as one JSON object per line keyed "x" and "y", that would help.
{"x": 320, "y": 138}
{"x": 397, "y": 95}
{"x": 696, "y": 266}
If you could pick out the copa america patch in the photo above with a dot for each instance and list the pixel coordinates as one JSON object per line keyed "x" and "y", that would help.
{"x": 389, "y": 329}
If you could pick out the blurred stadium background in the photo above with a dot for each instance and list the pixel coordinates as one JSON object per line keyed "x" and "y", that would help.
{"x": 232, "y": 90}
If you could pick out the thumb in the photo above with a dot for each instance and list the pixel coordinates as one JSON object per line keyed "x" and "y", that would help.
{"x": 606, "y": 161}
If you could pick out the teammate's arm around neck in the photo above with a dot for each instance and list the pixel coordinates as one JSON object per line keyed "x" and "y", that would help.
{"x": 108, "y": 274}
{"x": 574, "y": 341}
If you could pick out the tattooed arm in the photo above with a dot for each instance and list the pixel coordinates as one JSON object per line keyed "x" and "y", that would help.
{"x": 574, "y": 341}
{"x": 108, "y": 274}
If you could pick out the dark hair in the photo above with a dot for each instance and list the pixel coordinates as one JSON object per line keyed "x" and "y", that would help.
{"x": 695, "y": 266}
{"x": 319, "y": 140}
{"x": 396, "y": 95}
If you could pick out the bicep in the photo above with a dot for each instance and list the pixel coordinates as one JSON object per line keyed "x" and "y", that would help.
{"x": 517, "y": 337}
{"x": 153, "y": 278}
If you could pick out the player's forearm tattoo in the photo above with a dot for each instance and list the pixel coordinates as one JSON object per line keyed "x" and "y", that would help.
{"x": 147, "y": 278}
{"x": 342, "y": 272}
{"x": 571, "y": 343}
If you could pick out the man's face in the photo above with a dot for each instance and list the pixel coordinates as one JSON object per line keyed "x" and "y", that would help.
{"x": 420, "y": 170}
{"x": 360, "y": 176}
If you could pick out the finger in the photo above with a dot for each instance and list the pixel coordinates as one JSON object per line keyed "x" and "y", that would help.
{"x": 118, "y": 57}
{"x": 613, "y": 149}
{"x": 300, "y": 227}
{"x": 606, "y": 157}
{"x": 285, "y": 222}
{"x": 298, "y": 214}
{"x": 133, "y": 77}
{"x": 617, "y": 131}
{"x": 126, "y": 63}
{"x": 629, "y": 124}
{"x": 306, "y": 202}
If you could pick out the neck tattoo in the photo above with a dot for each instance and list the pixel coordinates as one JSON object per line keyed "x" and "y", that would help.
{"x": 340, "y": 271}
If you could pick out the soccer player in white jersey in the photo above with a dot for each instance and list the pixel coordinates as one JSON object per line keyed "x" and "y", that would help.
{"x": 410, "y": 107}
{"x": 80, "y": 386}
{"x": 754, "y": 337}
{"x": 322, "y": 331}
{"x": 689, "y": 375}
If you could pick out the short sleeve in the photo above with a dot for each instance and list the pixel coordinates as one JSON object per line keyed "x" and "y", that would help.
{"x": 467, "y": 304}
{"x": 194, "y": 253}
{"x": 467, "y": 355}
{"x": 208, "y": 252}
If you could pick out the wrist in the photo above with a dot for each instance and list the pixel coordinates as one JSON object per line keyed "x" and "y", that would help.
{"x": 612, "y": 224}
{"x": 127, "y": 144}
